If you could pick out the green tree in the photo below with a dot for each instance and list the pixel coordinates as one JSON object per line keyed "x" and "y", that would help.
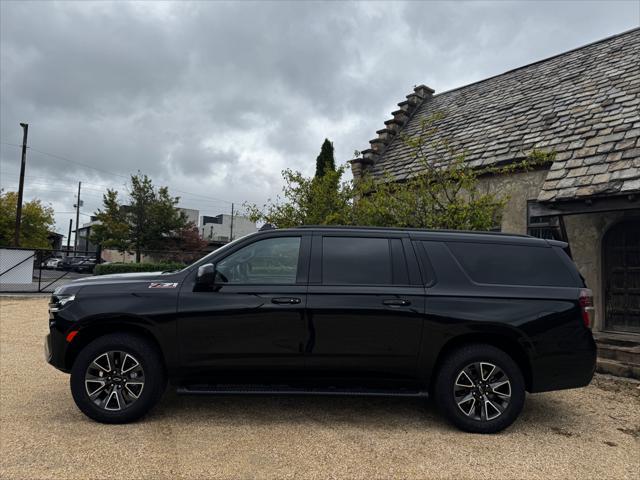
{"x": 36, "y": 222}
{"x": 113, "y": 229}
{"x": 150, "y": 220}
{"x": 325, "y": 162}
{"x": 446, "y": 194}
{"x": 322, "y": 200}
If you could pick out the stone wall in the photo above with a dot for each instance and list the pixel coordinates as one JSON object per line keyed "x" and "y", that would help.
{"x": 520, "y": 187}
{"x": 585, "y": 234}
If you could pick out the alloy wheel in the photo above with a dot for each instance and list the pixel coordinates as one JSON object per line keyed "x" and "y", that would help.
{"x": 482, "y": 391}
{"x": 114, "y": 380}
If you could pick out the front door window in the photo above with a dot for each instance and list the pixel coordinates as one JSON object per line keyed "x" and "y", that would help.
{"x": 273, "y": 261}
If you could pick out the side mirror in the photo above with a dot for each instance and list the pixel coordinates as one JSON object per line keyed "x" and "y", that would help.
{"x": 206, "y": 275}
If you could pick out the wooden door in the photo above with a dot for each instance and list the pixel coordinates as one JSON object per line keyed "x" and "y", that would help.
{"x": 621, "y": 250}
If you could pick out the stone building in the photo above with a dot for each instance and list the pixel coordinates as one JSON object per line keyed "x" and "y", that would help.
{"x": 584, "y": 105}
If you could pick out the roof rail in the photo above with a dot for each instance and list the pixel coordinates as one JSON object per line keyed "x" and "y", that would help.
{"x": 408, "y": 229}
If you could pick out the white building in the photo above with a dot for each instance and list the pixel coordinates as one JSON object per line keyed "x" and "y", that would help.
{"x": 225, "y": 227}
{"x": 192, "y": 214}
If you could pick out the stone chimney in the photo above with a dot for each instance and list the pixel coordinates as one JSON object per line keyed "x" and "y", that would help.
{"x": 400, "y": 118}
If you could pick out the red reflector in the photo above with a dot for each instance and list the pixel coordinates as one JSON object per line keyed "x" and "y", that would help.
{"x": 586, "y": 306}
{"x": 71, "y": 335}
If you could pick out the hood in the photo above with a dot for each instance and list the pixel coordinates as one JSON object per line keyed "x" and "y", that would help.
{"x": 122, "y": 276}
{"x": 125, "y": 283}
{"x": 127, "y": 280}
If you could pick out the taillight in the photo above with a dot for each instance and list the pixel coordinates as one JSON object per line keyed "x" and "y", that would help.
{"x": 586, "y": 306}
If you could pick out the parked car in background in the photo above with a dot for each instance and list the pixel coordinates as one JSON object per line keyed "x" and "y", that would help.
{"x": 52, "y": 263}
{"x": 84, "y": 264}
{"x": 473, "y": 320}
{"x": 79, "y": 263}
{"x": 66, "y": 262}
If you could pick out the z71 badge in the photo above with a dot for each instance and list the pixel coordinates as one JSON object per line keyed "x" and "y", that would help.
{"x": 163, "y": 285}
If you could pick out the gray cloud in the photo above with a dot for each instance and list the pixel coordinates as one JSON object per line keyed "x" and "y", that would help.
{"x": 214, "y": 99}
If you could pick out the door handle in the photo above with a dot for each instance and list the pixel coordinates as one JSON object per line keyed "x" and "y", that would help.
{"x": 285, "y": 300}
{"x": 396, "y": 302}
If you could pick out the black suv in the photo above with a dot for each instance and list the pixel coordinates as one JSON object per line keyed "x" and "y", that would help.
{"x": 472, "y": 319}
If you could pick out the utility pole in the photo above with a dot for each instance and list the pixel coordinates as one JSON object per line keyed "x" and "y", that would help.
{"x": 231, "y": 228}
{"x": 75, "y": 238}
{"x": 69, "y": 236}
{"x": 25, "y": 128}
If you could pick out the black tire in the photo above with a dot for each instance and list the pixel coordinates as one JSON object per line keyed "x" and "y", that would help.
{"x": 151, "y": 371}
{"x": 448, "y": 391}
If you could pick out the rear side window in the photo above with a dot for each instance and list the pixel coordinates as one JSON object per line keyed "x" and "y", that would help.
{"x": 356, "y": 261}
{"x": 512, "y": 264}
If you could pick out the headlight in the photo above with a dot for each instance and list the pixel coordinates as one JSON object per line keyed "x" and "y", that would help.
{"x": 58, "y": 301}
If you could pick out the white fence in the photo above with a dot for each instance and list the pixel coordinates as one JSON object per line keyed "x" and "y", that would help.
{"x": 16, "y": 266}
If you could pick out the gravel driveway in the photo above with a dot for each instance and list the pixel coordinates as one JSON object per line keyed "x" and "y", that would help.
{"x": 587, "y": 433}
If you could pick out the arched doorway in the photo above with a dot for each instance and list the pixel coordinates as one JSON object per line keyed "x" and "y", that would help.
{"x": 621, "y": 253}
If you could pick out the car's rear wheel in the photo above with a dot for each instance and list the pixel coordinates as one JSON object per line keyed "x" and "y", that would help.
{"x": 480, "y": 389}
{"x": 117, "y": 378}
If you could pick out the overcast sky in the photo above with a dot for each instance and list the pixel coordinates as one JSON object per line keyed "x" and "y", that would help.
{"x": 215, "y": 99}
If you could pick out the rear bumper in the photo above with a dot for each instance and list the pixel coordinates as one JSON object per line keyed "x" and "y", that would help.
{"x": 571, "y": 368}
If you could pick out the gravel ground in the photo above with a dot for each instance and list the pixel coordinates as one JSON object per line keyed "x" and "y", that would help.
{"x": 586, "y": 433}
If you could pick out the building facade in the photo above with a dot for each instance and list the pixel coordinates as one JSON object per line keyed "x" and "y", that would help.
{"x": 225, "y": 227}
{"x": 216, "y": 230}
{"x": 584, "y": 105}
{"x": 191, "y": 214}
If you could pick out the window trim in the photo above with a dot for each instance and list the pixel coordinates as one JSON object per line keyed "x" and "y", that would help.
{"x": 416, "y": 276}
{"x": 429, "y": 277}
{"x": 399, "y": 267}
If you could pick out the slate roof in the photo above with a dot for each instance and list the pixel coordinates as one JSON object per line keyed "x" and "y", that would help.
{"x": 584, "y": 104}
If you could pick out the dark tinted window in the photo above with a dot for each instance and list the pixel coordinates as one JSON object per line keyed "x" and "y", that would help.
{"x": 512, "y": 264}
{"x": 356, "y": 261}
{"x": 269, "y": 261}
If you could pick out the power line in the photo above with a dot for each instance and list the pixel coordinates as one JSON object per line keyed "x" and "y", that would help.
{"x": 203, "y": 204}
{"x": 42, "y": 184}
{"x": 73, "y": 212}
{"x": 64, "y": 191}
{"x": 60, "y": 157}
{"x": 49, "y": 179}
{"x": 55, "y": 190}
{"x": 200, "y": 204}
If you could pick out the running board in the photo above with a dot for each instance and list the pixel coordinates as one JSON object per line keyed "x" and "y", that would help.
{"x": 282, "y": 390}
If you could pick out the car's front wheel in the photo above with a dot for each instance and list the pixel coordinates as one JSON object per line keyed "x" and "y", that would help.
{"x": 117, "y": 378}
{"x": 480, "y": 389}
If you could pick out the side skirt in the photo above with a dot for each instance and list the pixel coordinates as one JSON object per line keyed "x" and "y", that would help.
{"x": 284, "y": 390}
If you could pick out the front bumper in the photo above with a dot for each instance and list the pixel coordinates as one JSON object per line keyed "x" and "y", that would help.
{"x": 55, "y": 349}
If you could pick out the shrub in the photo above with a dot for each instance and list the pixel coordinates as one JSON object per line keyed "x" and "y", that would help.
{"x": 108, "y": 268}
